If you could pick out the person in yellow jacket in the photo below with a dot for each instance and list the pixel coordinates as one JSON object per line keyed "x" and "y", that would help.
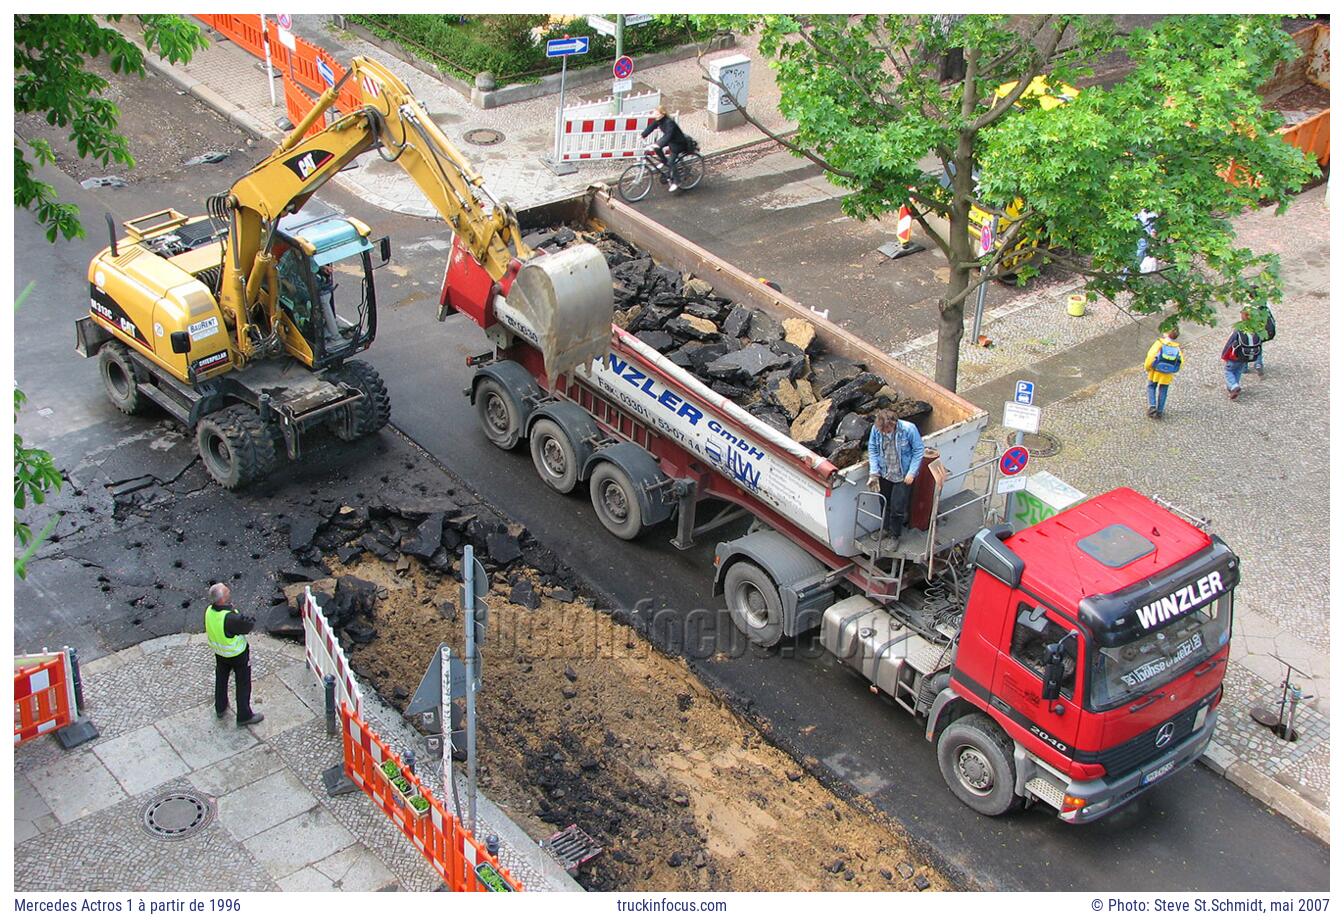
{"x": 226, "y": 633}
{"x": 1162, "y": 364}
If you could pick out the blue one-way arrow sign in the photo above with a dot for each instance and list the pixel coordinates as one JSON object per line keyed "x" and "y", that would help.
{"x": 564, "y": 47}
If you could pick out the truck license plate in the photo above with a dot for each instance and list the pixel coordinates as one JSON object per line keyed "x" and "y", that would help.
{"x": 1153, "y": 776}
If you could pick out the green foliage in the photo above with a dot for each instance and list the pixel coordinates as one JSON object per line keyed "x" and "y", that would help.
{"x": 51, "y": 54}
{"x": 35, "y": 477}
{"x": 865, "y": 94}
{"x": 504, "y": 43}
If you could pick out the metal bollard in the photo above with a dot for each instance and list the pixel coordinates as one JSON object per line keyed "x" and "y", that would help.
{"x": 408, "y": 756}
{"x": 77, "y": 680}
{"x": 492, "y": 844}
{"x": 329, "y": 691}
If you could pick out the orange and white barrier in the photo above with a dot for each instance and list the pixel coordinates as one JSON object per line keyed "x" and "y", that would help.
{"x": 325, "y": 655}
{"x": 462, "y": 863}
{"x": 44, "y": 694}
{"x": 592, "y": 132}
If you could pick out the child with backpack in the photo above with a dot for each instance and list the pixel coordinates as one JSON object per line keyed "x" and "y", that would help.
{"x": 1242, "y": 348}
{"x": 1162, "y": 364}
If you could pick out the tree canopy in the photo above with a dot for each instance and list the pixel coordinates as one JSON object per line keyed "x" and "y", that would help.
{"x": 871, "y": 102}
{"x": 51, "y": 77}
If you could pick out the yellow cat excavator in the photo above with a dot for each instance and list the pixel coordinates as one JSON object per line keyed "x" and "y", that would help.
{"x": 231, "y": 321}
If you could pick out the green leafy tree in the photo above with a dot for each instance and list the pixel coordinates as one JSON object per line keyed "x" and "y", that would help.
{"x": 51, "y": 76}
{"x": 866, "y": 95}
{"x": 35, "y": 476}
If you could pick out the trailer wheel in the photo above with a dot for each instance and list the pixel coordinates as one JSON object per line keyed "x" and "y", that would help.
{"x": 976, "y": 761}
{"x": 122, "y": 378}
{"x": 554, "y": 456}
{"x": 615, "y": 501}
{"x": 235, "y": 446}
{"x": 754, "y": 604}
{"x": 498, "y": 414}
{"x": 371, "y": 413}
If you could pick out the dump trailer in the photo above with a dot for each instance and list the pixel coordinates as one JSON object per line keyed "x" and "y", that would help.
{"x": 1075, "y": 663}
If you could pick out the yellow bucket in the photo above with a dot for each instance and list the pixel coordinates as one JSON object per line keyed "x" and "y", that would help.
{"x": 1077, "y": 304}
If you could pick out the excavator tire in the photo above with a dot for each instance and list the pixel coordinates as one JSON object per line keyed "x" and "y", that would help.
{"x": 122, "y": 378}
{"x": 235, "y": 446}
{"x": 368, "y": 415}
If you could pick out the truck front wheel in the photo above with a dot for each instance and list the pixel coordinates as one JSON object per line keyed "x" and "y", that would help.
{"x": 754, "y": 604}
{"x": 122, "y": 378}
{"x": 616, "y": 501}
{"x": 977, "y": 764}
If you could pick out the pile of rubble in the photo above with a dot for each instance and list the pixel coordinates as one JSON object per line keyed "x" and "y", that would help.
{"x": 777, "y": 371}
{"x": 432, "y": 531}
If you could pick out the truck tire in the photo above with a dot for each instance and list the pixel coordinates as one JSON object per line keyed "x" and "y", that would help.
{"x": 235, "y": 446}
{"x": 754, "y": 604}
{"x": 554, "y": 456}
{"x": 122, "y": 378}
{"x": 615, "y": 501}
{"x": 976, "y": 761}
{"x": 498, "y": 414}
{"x": 371, "y": 413}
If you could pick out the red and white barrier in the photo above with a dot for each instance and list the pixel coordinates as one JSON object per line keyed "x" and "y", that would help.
{"x": 591, "y": 131}
{"x": 44, "y": 694}
{"x": 325, "y": 655}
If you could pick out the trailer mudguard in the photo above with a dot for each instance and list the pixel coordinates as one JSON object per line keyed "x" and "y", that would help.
{"x": 577, "y": 424}
{"x": 517, "y": 383}
{"x": 650, "y": 483}
{"x": 795, "y": 572}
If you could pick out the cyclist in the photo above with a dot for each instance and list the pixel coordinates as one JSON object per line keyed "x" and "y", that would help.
{"x": 672, "y": 143}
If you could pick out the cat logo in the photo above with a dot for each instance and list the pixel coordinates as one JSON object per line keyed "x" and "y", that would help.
{"x": 305, "y": 164}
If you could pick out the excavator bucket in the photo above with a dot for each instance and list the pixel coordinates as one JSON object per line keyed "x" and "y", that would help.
{"x": 564, "y": 301}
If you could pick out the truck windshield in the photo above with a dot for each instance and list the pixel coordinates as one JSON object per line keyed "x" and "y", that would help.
{"x": 1129, "y": 670}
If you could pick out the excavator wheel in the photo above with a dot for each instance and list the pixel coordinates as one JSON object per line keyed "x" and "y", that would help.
{"x": 121, "y": 379}
{"x": 368, "y": 415}
{"x": 235, "y": 446}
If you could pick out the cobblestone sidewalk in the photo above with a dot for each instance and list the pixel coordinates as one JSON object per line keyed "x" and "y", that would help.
{"x": 233, "y": 82}
{"x": 79, "y": 814}
{"x": 1257, "y": 467}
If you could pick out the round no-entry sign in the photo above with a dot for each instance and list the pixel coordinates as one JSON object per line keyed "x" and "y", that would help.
{"x": 285, "y": 21}
{"x": 623, "y": 67}
{"x": 1014, "y": 460}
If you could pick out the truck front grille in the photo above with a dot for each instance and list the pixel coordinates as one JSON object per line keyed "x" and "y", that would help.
{"x": 1143, "y": 748}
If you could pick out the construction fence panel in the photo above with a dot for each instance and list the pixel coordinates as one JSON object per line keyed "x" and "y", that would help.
{"x": 450, "y": 849}
{"x": 44, "y": 694}
{"x": 1312, "y": 136}
{"x": 243, "y": 31}
{"x": 592, "y": 131}
{"x": 325, "y": 655}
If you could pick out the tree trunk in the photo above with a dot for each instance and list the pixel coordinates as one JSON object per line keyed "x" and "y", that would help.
{"x": 952, "y": 319}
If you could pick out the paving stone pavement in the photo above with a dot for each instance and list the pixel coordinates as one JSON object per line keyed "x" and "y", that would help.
{"x": 232, "y": 81}
{"x": 78, "y": 819}
{"x": 1257, "y": 467}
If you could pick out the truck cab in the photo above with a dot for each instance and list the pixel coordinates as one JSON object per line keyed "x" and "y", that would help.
{"x": 1096, "y": 641}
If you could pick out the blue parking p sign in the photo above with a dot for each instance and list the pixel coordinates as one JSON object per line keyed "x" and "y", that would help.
{"x": 1025, "y": 392}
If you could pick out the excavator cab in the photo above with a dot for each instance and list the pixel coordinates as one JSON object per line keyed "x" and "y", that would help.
{"x": 324, "y": 268}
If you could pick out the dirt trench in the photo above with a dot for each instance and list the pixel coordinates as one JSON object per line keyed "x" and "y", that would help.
{"x": 583, "y": 722}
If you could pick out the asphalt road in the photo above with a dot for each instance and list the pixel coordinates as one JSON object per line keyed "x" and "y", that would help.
{"x": 1195, "y": 832}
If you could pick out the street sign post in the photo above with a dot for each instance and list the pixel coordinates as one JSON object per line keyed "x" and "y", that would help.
{"x": 1025, "y": 392}
{"x": 563, "y": 48}
{"x": 266, "y": 46}
{"x": 1026, "y": 418}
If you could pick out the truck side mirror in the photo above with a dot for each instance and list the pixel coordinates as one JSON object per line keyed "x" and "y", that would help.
{"x": 385, "y": 250}
{"x": 181, "y": 343}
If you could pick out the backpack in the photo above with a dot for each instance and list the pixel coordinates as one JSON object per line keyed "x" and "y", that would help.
{"x": 1168, "y": 359}
{"x": 1269, "y": 324}
{"x": 1247, "y": 347}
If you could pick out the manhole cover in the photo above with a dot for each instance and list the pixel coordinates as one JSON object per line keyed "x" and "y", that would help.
{"x": 176, "y": 816}
{"x": 1042, "y": 444}
{"x": 484, "y": 137}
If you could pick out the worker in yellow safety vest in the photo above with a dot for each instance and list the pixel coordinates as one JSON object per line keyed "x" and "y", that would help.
{"x": 226, "y": 631}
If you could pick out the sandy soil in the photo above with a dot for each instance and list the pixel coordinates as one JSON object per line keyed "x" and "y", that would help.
{"x": 582, "y": 721}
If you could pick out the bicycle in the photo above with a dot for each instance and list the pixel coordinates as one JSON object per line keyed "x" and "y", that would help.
{"x": 637, "y": 180}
